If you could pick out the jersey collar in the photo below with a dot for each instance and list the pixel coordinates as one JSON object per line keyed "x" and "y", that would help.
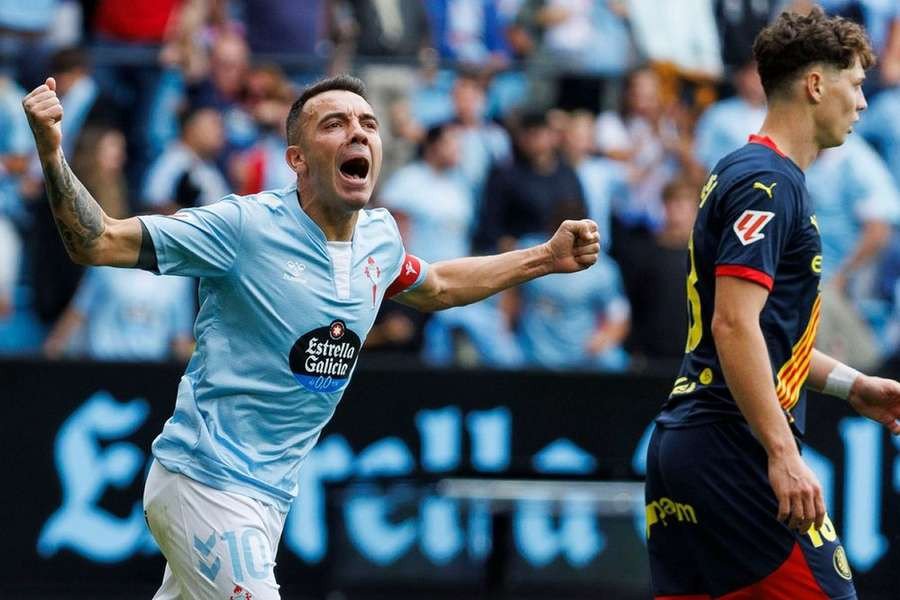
{"x": 768, "y": 142}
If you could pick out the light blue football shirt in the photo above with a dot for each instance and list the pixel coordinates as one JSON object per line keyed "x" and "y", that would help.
{"x": 849, "y": 185}
{"x": 132, "y": 314}
{"x": 560, "y": 313}
{"x": 276, "y": 345}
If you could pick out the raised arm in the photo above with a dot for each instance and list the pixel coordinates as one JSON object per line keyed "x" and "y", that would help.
{"x": 91, "y": 237}
{"x": 574, "y": 247}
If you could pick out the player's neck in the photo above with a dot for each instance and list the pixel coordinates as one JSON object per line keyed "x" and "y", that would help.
{"x": 337, "y": 225}
{"x": 793, "y": 136}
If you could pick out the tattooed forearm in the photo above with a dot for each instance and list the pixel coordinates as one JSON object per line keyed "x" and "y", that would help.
{"x": 78, "y": 216}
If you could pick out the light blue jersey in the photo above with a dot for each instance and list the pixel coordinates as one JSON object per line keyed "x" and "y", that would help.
{"x": 560, "y": 312}
{"x": 724, "y": 127}
{"x": 278, "y": 334}
{"x": 133, "y": 315}
{"x": 440, "y": 223}
{"x": 850, "y": 185}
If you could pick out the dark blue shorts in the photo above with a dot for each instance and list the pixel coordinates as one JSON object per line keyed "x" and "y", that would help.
{"x": 712, "y": 528}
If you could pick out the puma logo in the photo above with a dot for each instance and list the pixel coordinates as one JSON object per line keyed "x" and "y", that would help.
{"x": 767, "y": 189}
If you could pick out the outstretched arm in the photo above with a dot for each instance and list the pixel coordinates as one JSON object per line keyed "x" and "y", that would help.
{"x": 574, "y": 247}
{"x": 873, "y": 397}
{"x": 91, "y": 237}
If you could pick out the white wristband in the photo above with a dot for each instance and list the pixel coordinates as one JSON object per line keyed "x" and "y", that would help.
{"x": 840, "y": 380}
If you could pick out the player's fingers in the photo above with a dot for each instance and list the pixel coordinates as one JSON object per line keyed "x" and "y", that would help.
{"x": 38, "y": 90}
{"x": 784, "y": 507}
{"x": 796, "y": 516}
{"x": 809, "y": 509}
{"x": 586, "y": 260}
{"x": 43, "y": 105}
{"x": 588, "y": 249}
{"x": 51, "y": 83}
{"x": 38, "y": 98}
{"x": 820, "y": 509}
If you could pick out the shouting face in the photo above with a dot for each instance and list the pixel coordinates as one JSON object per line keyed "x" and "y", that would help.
{"x": 339, "y": 151}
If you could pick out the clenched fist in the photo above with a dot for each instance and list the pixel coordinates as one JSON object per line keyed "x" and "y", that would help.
{"x": 574, "y": 247}
{"x": 44, "y": 112}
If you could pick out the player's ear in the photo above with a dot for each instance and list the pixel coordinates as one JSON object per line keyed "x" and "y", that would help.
{"x": 815, "y": 83}
{"x": 296, "y": 159}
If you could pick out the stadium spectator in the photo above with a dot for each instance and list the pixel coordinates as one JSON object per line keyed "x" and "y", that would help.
{"x": 15, "y": 152}
{"x": 186, "y": 174}
{"x": 880, "y": 125}
{"x": 725, "y": 125}
{"x": 283, "y": 27}
{"x": 388, "y": 39}
{"x": 738, "y": 22}
{"x": 681, "y": 34}
{"x": 654, "y": 281}
{"x": 577, "y": 323}
{"x": 655, "y": 142}
{"x": 223, "y": 87}
{"x": 86, "y": 102}
{"x": 520, "y": 197}
{"x": 262, "y": 167}
{"x": 857, "y": 205}
{"x": 576, "y": 45}
{"x": 603, "y": 181}
{"x": 438, "y": 225}
{"x": 127, "y": 314}
{"x": 468, "y": 31}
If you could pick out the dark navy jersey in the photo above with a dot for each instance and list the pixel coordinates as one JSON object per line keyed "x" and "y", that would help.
{"x": 756, "y": 222}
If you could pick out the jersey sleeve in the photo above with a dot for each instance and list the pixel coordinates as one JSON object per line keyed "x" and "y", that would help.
{"x": 198, "y": 242}
{"x": 412, "y": 273}
{"x": 757, "y": 217}
{"x": 412, "y": 270}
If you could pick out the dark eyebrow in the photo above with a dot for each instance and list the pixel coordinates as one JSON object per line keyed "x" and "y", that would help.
{"x": 343, "y": 116}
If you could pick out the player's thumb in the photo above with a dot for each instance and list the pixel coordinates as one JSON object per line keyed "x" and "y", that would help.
{"x": 51, "y": 83}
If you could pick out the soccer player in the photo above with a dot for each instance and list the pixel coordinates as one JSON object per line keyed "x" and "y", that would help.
{"x": 732, "y": 509}
{"x": 290, "y": 283}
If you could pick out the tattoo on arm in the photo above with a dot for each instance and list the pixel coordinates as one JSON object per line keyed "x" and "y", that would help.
{"x": 78, "y": 216}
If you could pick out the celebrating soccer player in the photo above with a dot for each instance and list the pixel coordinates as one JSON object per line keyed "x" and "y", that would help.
{"x": 732, "y": 509}
{"x": 290, "y": 283}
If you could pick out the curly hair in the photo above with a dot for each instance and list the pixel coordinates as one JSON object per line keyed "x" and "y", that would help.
{"x": 784, "y": 48}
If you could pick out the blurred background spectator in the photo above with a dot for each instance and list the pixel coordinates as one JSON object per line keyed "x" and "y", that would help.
{"x": 186, "y": 173}
{"x": 654, "y": 282}
{"x": 575, "y": 321}
{"x": 524, "y": 112}
{"x": 520, "y": 197}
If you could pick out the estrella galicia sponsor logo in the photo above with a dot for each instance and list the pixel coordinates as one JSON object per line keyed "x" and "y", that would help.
{"x": 323, "y": 358}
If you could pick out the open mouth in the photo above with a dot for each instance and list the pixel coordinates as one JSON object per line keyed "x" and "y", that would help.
{"x": 355, "y": 168}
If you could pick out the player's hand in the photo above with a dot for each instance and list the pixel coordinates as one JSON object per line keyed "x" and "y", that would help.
{"x": 44, "y": 112}
{"x": 800, "y": 502}
{"x": 574, "y": 247}
{"x": 877, "y": 399}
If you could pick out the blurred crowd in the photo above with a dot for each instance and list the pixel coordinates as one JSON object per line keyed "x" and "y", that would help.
{"x": 501, "y": 118}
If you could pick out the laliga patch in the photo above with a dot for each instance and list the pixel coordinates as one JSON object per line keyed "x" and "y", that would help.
{"x": 323, "y": 358}
{"x": 841, "y": 565}
{"x": 750, "y": 224}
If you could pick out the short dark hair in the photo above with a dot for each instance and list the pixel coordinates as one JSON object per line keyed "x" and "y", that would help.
{"x": 793, "y": 42}
{"x": 338, "y": 82}
{"x": 433, "y": 135}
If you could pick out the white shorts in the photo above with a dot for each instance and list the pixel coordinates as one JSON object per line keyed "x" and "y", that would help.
{"x": 218, "y": 545}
